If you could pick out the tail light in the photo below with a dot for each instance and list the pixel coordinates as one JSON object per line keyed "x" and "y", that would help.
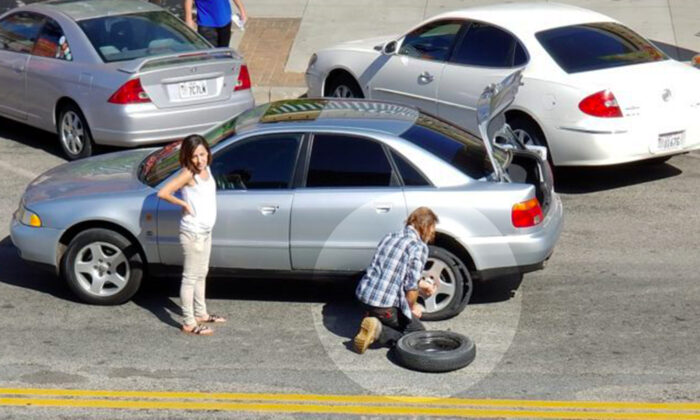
{"x": 243, "y": 79}
{"x": 601, "y": 104}
{"x": 131, "y": 92}
{"x": 527, "y": 214}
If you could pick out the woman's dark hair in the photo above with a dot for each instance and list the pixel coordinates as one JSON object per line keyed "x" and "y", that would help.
{"x": 189, "y": 144}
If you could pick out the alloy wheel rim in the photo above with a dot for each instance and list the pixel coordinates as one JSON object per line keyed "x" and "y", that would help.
{"x": 524, "y": 137}
{"x": 101, "y": 269}
{"x": 342, "y": 91}
{"x": 72, "y": 133}
{"x": 438, "y": 269}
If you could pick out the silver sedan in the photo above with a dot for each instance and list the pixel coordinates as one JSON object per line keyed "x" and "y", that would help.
{"x": 123, "y": 73}
{"x": 305, "y": 188}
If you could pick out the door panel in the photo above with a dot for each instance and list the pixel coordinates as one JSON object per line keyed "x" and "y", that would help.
{"x": 13, "y": 83}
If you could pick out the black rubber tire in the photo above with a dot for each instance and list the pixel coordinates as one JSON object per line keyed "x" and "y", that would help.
{"x": 435, "y": 351}
{"x": 532, "y": 130}
{"x": 346, "y": 80}
{"x": 129, "y": 250}
{"x": 88, "y": 142}
{"x": 463, "y": 286}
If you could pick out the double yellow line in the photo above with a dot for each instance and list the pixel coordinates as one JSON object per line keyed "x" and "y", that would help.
{"x": 346, "y": 404}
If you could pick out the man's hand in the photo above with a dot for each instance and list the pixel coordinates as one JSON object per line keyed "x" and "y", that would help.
{"x": 417, "y": 310}
{"x": 428, "y": 286}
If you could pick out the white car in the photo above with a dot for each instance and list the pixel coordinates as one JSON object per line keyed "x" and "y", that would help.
{"x": 595, "y": 92}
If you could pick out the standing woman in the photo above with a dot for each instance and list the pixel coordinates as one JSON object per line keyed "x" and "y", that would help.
{"x": 198, "y": 218}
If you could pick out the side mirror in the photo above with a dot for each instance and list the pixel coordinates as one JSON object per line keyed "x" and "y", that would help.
{"x": 390, "y": 48}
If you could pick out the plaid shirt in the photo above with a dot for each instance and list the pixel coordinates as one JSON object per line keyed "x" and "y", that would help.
{"x": 396, "y": 268}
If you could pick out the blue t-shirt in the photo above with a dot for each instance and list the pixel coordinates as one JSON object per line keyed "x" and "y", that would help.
{"x": 213, "y": 13}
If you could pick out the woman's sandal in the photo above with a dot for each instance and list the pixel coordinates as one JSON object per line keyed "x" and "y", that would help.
{"x": 198, "y": 330}
{"x": 212, "y": 319}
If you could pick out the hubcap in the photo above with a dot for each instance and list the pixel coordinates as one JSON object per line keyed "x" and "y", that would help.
{"x": 101, "y": 269}
{"x": 438, "y": 269}
{"x": 342, "y": 91}
{"x": 72, "y": 133}
{"x": 524, "y": 137}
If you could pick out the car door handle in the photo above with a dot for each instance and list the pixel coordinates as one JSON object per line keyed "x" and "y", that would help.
{"x": 426, "y": 77}
{"x": 268, "y": 210}
{"x": 382, "y": 208}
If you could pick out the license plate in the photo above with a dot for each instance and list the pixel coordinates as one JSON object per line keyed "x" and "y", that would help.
{"x": 670, "y": 141}
{"x": 195, "y": 89}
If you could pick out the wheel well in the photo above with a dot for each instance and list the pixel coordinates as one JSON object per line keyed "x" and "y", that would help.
{"x": 516, "y": 114}
{"x": 59, "y": 105}
{"x": 73, "y": 231}
{"x": 444, "y": 241}
{"x": 335, "y": 74}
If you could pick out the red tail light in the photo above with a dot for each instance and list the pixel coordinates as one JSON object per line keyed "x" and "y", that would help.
{"x": 243, "y": 79}
{"x": 601, "y": 104}
{"x": 527, "y": 214}
{"x": 131, "y": 92}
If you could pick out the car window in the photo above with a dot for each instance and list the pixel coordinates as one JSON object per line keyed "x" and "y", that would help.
{"x": 455, "y": 146}
{"x": 410, "y": 175}
{"x": 432, "y": 41}
{"x": 18, "y": 31}
{"x": 261, "y": 163}
{"x": 52, "y": 42}
{"x": 347, "y": 161}
{"x": 136, "y": 35}
{"x": 597, "y": 46}
{"x": 487, "y": 46}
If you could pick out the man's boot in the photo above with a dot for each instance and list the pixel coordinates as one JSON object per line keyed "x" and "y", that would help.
{"x": 370, "y": 328}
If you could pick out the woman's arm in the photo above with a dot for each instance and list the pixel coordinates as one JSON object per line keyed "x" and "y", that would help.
{"x": 239, "y": 5}
{"x": 188, "y": 13}
{"x": 175, "y": 184}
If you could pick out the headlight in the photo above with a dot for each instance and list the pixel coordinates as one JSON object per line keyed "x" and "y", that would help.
{"x": 27, "y": 217}
{"x": 312, "y": 60}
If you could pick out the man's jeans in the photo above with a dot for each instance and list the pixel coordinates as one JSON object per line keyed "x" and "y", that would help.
{"x": 394, "y": 324}
{"x": 196, "y": 248}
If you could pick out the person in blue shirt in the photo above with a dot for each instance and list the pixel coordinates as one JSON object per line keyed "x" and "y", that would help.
{"x": 213, "y": 19}
{"x": 390, "y": 287}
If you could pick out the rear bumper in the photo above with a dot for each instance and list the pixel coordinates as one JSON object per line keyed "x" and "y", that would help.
{"x": 37, "y": 245}
{"x": 140, "y": 124}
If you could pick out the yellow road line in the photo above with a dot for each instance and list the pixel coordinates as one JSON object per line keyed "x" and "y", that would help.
{"x": 356, "y": 399}
{"x": 340, "y": 409}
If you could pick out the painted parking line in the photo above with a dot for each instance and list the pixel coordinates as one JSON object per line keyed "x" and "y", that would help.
{"x": 17, "y": 171}
{"x": 346, "y": 404}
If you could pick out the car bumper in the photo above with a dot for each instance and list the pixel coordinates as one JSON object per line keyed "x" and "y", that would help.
{"x": 314, "y": 80}
{"x": 572, "y": 146}
{"x": 34, "y": 244}
{"x": 518, "y": 253}
{"x": 140, "y": 124}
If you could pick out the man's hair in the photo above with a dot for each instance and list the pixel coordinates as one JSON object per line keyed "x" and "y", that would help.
{"x": 423, "y": 219}
{"x": 189, "y": 145}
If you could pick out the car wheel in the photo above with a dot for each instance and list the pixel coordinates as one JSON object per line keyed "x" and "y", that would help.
{"x": 528, "y": 132}
{"x": 435, "y": 351}
{"x": 74, "y": 133}
{"x": 102, "y": 267}
{"x": 454, "y": 288}
{"x": 343, "y": 86}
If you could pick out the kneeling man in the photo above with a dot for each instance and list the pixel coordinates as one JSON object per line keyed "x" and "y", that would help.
{"x": 390, "y": 287}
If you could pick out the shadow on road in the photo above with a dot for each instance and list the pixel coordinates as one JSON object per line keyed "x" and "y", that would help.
{"x": 582, "y": 180}
{"x": 30, "y": 136}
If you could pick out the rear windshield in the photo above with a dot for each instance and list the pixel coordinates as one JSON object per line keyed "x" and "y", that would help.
{"x": 455, "y": 146}
{"x": 597, "y": 46}
{"x": 137, "y": 35}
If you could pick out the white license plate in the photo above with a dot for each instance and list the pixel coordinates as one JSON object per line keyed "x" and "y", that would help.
{"x": 195, "y": 89}
{"x": 670, "y": 141}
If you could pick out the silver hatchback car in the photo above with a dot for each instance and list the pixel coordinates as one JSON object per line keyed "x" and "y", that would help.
{"x": 122, "y": 73}
{"x": 306, "y": 188}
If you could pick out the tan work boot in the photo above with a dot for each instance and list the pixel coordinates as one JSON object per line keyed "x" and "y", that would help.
{"x": 370, "y": 328}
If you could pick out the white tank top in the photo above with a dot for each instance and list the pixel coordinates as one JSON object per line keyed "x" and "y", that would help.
{"x": 202, "y": 200}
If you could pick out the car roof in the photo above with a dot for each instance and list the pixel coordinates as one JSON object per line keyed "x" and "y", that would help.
{"x": 360, "y": 114}
{"x": 86, "y": 9}
{"x": 529, "y": 17}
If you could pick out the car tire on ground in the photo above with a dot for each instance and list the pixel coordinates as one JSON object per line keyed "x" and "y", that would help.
{"x": 102, "y": 267}
{"x": 435, "y": 351}
{"x": 343, "y": 86}
{"x": 529, "y": 133}
{"x": 73, "y": 132}
{"x": 454, "y": 288}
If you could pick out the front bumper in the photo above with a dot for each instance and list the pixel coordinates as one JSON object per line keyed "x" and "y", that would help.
{"x": 38, "y": 245}
{"x": 141, "y": 124}
{"x": 314, "y": 80}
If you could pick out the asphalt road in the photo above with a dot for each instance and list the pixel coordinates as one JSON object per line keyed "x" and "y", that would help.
{"x": 613, "y": 317}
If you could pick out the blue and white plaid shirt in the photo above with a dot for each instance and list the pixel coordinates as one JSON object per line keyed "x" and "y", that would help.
{"x": 396, "y": 268}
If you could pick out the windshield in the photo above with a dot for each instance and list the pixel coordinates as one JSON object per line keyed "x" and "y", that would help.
{"x": 455, "y": 146}
{"x": 137, "y": 35}
{"x": 597, "y": 46}
{"x": 163, "y": 162}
